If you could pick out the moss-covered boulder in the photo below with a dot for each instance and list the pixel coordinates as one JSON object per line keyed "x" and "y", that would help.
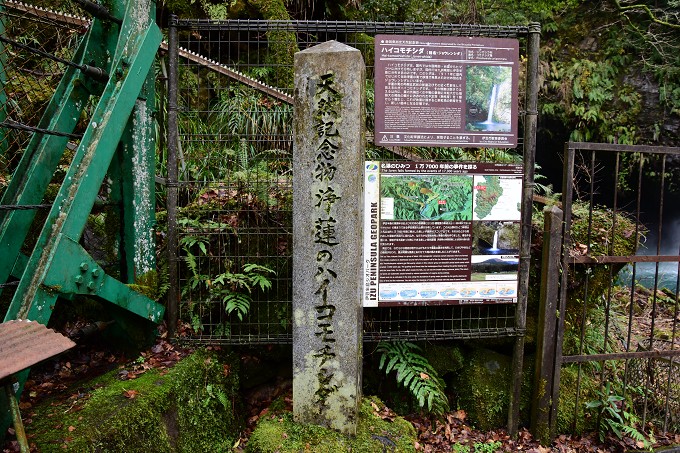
{"x": 445, "y": 358}
{"x": 483, "y": 388}
{"x": 376, "y": 432}
{"x": 572, "y": 418}
{"x": 186, "y": 409}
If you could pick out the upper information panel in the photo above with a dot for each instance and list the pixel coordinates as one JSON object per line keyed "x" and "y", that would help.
{"x": 446, "y": 91}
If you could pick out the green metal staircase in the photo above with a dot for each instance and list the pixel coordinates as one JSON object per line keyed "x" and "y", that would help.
{"x": 114, "y": 65}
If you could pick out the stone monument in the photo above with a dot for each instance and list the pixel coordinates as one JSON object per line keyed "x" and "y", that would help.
{"x": 328, "y": 156}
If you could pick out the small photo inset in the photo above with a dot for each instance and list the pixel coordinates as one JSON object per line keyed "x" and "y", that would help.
{"x": 488, "y": 98}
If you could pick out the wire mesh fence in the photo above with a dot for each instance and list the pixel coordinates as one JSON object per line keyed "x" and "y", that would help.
{"x": 235, "y": 199}
{"x": 35, "y": 49}
{"x": 33, "y": 43}
{"x": 655, "y": 386}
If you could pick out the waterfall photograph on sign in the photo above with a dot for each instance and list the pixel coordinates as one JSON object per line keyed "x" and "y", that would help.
{"x": 488, "y": 98}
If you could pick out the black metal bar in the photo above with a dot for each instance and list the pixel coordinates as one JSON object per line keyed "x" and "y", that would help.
{"x": 655, "y": 286}
{"x": 93, "y": 72}
{"x": 638, "y": 211}
{"x": 98, "y": 11}
{"x": 586, "y": 146}
{"x": 567, "y": 195}
{"x": 620, "y": 356}
{"x": 11, "y": 124}
{"x": 623, "y": 259}
{"x": 530, "y": 125}
{"x": 23, "y": 207}
{"x": 586, "y": 285}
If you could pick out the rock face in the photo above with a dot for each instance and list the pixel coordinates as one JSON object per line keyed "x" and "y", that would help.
{"x": 653, "y": 118}
{"x": 328, "y": 161}
{"x": 483, "y": 388}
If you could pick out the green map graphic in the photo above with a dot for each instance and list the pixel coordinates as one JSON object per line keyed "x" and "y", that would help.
{"x": 488, "y": 196}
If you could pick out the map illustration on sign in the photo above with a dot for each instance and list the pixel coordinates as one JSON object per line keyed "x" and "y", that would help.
{"x": 441, "y": 233}
{"x": 494, "y": 196}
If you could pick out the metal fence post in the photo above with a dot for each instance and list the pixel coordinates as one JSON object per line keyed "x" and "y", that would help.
{"x": 173, "y": 144}
{"x": 530, "y": 121}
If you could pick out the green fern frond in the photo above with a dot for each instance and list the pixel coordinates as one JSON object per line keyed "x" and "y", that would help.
{"x": 415, "y": 373}
{"x": 236, "y": 302}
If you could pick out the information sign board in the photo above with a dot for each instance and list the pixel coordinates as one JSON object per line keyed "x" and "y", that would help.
{"x": 441, "y": 232}
{"x": 446, "y": 91}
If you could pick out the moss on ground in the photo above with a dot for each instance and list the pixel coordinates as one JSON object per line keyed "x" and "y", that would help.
{"x": 188, "y": 408}
{"x": 278, "y": 432}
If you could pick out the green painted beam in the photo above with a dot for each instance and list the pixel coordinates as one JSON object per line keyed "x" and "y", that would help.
{"x": 137, "y": 169}
{"x": 132, "y": 173}
{"x": 58, "y": 266}
{"x": 81, "y": 184}
{"x": 73, "y": 271}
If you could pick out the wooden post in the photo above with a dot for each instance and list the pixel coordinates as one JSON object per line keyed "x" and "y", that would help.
{"x": 542, "y": 424}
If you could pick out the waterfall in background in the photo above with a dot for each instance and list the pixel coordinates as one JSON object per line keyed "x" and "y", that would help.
{"x": 492, "y": 104}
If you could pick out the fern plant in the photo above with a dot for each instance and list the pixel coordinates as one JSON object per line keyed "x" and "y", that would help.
{"x": 236, "y": 289}
{"x": 614, "y": 418}
{"x": 415, "y": 373}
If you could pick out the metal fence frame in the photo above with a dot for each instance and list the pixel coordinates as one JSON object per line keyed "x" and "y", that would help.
{"x": 611, "y": 342}
{"x": 393, "y": 323}
{"x": 414, "y": 323}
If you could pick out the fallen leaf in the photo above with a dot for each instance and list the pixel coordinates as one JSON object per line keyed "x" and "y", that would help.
{"x": 71, "y": 428}
{"x": 130, "y": 394}
{"x": 460, "y": 415}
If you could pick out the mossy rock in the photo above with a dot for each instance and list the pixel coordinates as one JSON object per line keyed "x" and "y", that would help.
{"x": 279, "y": 433}
{"x": 444, "y": 358}
{"x": 188, "y": 408}
{"x": 570, "y": 418}
{"x": 483, "y": 388}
